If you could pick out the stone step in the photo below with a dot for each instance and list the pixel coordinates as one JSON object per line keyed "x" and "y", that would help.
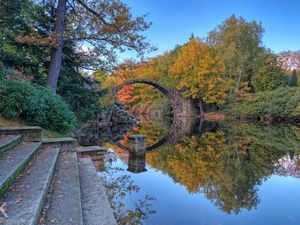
{"x": 9, "y": 141}
{"x": 96, "y": 209}
{"x": 28, "y": 133}
{"x": 13, "y": 162}
{"x": 91, "y": 150}
{"x": 25, "y": 199}
{"x": 63, "y": 144}
{"x": 63, "y": 205}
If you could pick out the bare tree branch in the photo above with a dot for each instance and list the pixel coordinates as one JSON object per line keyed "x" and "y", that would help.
{"x": 92, "y": 11}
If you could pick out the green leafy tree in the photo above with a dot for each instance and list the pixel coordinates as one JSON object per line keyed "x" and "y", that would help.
{"x": 293, "y": 80}
{"x": 267, "y": 74}
{"x": 239, "y": 42}
{"x": 20, "y": 17}
{"x": 107, "y": 25}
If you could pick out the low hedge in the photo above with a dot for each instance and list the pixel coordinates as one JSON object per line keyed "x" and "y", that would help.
{"x": 35, "y": 105}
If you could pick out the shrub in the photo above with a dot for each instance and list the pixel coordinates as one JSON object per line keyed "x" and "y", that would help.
{"x": 280, "y": 103}
{"x": 12, "y": 74}
{"x": 36, "y": 105}
{"x": 80, "y": 94}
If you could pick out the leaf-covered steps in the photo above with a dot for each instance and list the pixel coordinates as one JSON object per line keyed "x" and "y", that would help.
{"x": 13, "y": 161}
{"x": 96, "y": 209}
{"x": 25, "y": 199}
{"x": 63, "y": 205}
{"x": 9, "y": 141}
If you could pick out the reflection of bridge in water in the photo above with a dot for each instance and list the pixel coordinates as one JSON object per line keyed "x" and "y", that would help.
{"x": 185, "y": 126}
{"x": 185, "y": 111}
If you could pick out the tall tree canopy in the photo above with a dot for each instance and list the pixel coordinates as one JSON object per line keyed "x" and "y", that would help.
{"x": 198, "y": 70}
{"x": 239, "y": 42}
{"x": 106, "y": 26}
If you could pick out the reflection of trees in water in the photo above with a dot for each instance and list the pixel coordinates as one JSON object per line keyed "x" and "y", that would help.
{"x": 155, "y": 130}
{"x": 118, "y": 189}
{"x": 227, "y": 165}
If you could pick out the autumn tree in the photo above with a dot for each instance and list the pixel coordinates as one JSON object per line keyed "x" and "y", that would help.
{"x": 106, "y": 26}
{"x": 198, "y": 70}
{"x": 18, "y": 17}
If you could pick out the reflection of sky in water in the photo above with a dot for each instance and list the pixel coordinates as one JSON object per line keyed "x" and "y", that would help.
{"x": 174, "y": 204}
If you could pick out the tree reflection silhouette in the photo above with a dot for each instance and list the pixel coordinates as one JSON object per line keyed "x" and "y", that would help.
{"x": 118, "y": 189}
{"x": 227, "y": 165}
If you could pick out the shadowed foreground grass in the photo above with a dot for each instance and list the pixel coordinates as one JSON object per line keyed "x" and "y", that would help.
{"x": 6, "y": 122}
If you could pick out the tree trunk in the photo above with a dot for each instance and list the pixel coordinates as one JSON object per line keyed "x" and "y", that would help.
{"x": 239, "y": 80}
{"x": 201, "y": 107}
{"x": 57, "y": 51}
{"x": 230, "y": 77}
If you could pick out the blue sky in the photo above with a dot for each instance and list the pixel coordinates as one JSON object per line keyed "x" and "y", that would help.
{"x": 175, "y": 20}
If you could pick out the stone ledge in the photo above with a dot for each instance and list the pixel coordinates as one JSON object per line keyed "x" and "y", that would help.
{"x": 91, "y": 150}
{"x": 63, "y": 143}
{"x": 28, "y": 133}
{"x": 27, "y": 128}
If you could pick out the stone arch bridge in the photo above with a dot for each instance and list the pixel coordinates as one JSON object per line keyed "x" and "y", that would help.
{"x": 181, "y": 106}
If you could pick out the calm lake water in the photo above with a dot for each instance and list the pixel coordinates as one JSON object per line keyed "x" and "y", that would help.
{"x": 205, "y": 173}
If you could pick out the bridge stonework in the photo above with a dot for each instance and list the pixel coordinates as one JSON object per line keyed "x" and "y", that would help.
{"x": 181, "y": 106}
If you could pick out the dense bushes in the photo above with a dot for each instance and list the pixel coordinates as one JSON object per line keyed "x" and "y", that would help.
{"x": 36, "y": 105}
{"x": 80, "y": 94}
{"x": 282, "y": 103}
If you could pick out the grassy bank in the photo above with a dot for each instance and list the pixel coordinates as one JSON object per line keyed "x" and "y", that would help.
{"x": 6, "y": 122}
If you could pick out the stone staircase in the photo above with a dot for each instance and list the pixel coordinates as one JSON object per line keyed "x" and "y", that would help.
{"x": 48, "y": 182}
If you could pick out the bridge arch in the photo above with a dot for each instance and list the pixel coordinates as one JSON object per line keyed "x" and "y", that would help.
{"x": 159, "y": 87}
{"x": 181, "y": 106}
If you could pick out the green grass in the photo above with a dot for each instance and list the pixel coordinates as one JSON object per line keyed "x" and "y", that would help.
{"x": 7, "y": 122}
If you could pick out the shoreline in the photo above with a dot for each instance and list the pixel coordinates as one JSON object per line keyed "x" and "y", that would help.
{"x": 219, "y": 116}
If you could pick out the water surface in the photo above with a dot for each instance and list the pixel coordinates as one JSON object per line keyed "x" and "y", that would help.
{"x": 206, "y": 173}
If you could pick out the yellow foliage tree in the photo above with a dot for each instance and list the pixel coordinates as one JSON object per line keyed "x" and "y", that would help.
{"x": 198, "y": 71}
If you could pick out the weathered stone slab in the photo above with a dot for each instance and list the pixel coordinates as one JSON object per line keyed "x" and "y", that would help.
{"x": 26, "y": 198}
{"x": 9, "y": 141}
{"x": 28, "y": 133}
{"x": 64, "y": 200}
{"x": 96, "y": 209}
{"x": 13, "y": 162}
{"x": 62, "y": 143}
{"x": 91, "y": 150}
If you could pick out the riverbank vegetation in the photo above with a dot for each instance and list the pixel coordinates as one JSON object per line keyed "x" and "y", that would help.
{"x": 282, "y": 104}
{"x": 230, "y": 68}
{"x": 53, "y": 47}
